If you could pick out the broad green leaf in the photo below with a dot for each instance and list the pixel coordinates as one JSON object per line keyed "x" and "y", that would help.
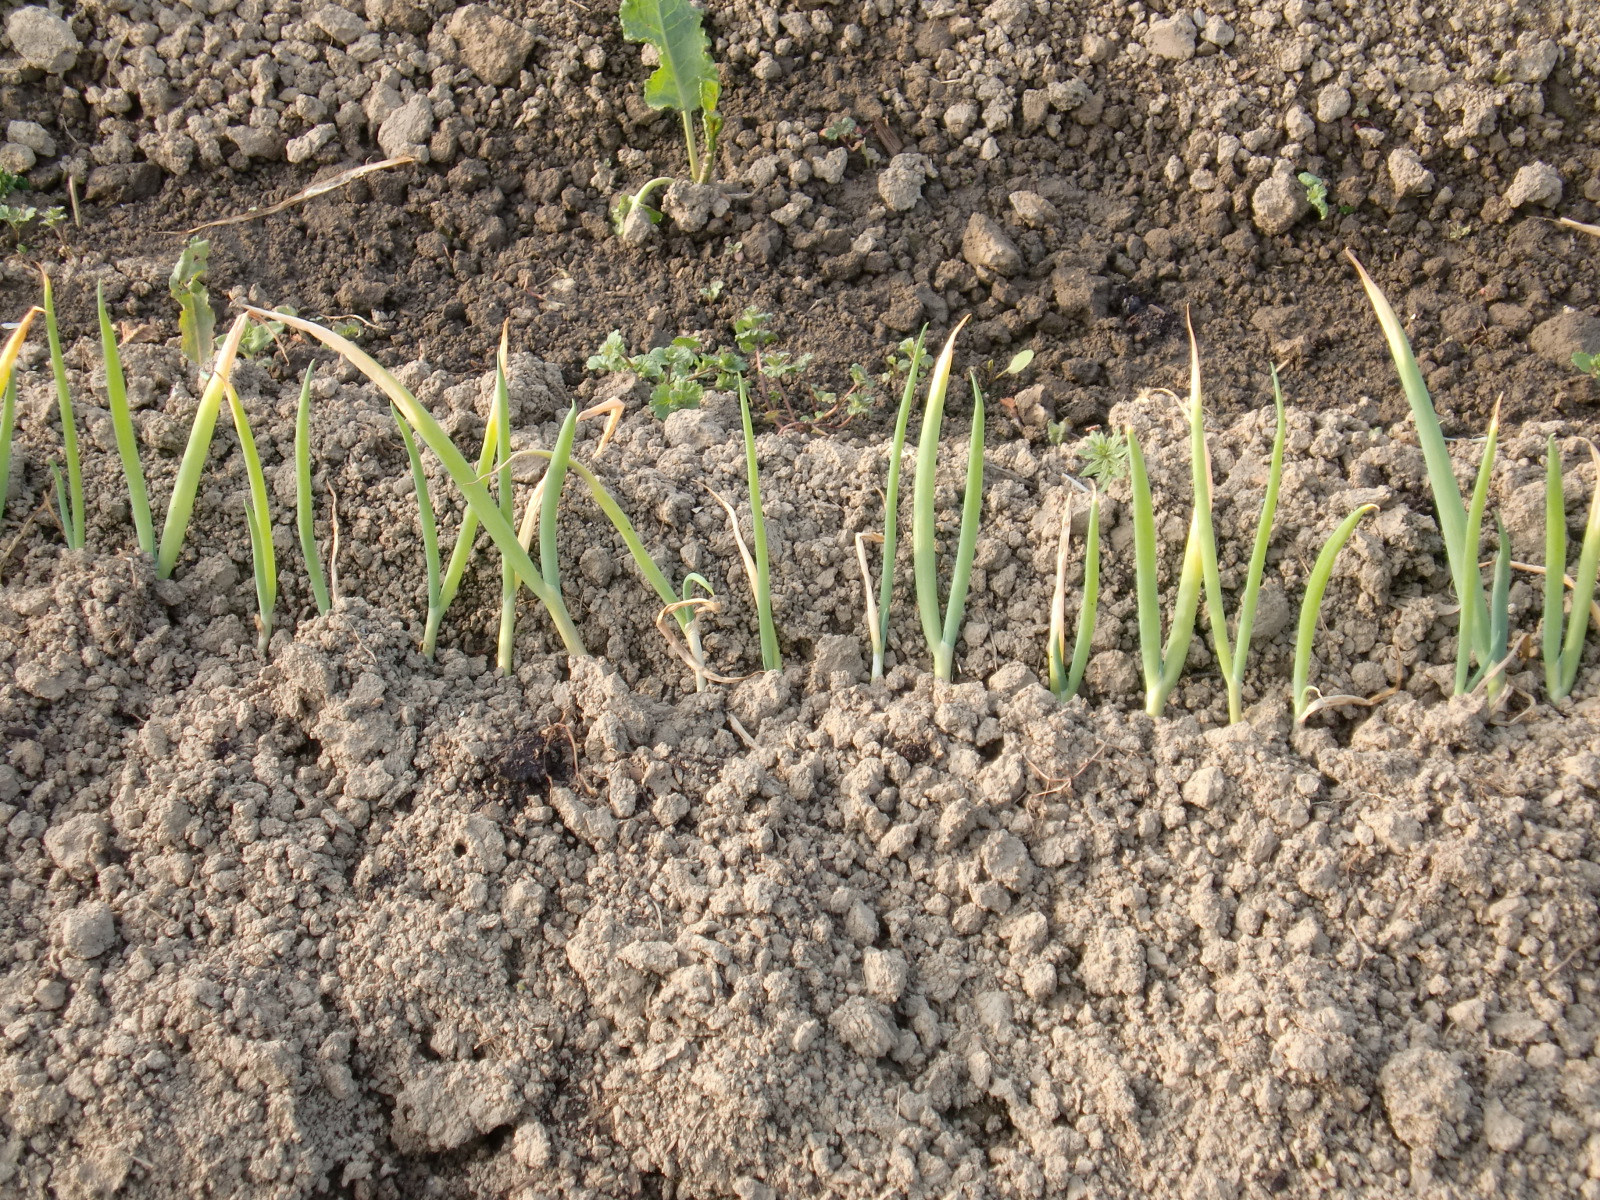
{"x": 686, "y": 80}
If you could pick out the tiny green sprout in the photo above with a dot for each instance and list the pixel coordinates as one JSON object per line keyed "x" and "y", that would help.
{"x": 260, "y": 337}
{"x": 751, "y": 332}
{"x": 16, "y": 216}
{"x": 1019, "y": 362}
{"x": 11, "y": 183}
{"x": 1316, "y": 193}
{"x": 1104, "y": 455}
{"x": 1454, "y": 231}
{"x": 713, "y": 290}
{"x": 1589, "y": 364}
{"x": 840, "y": 130}
{"x": 1055, "y": 432}
{"x": 351, "y": 331}
{"x": 686, "y": 78}
{"x": 625, "y": 204}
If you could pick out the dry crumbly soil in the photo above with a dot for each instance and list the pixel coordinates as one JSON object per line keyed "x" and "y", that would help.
{"x": 343, "y": 921}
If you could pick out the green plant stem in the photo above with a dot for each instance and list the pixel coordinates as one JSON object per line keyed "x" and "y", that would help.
{"x": 1472, "y": 638}
{"x": 258, "y": 515}
{"x": 966, "y": 543}
{"x": 477, "y": 496}
{"x": 462, "y": 550}
{"x": 891, "y": 510}
{"x": 1311, "y": 605}
{"x": 425, "y": 515}
{"x": 69, "y": 427}
{"x": 548, "y": 566}
{"x": 181, "y": 507}
{"x": 8, "y": 405}
{"x": 8, "y": 424}
{"x": 924, "y": 546}
{"x": 771, "y": 657}
{"x": 304, "y": 501}
{"x": 1162, "y": 667}
{"x": 1200, "y": 474}
{"x": 1144, "y": 565}
{"x": 122, "y": 427}
{"x": 1447, "y": 500}
{"x": 1088, "y": 611}
{"x": 689, "y": 141}
{"x": 1499, "y": 610}
{"x": 1555, "y": 566}
{"x": 1258, "y": 558}
{"x": 1583, "y": 588}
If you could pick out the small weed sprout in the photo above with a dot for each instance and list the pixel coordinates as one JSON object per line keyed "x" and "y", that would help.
{"x": 1104, "y": 455}
{"x": 1316, "y": 193}
{"x": 685, "y": 79}
{"x": 1589, "y": 364}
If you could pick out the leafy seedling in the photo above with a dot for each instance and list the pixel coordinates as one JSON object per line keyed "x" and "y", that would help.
{"x": 1311, "y": 609}
{"x": 941, "y": 633}
{"x": 1589, "y": 364}
{"x": 196, "y": 321}
{"x": 686, "y": 79}
{"x": 1104, "y": 454}
{"x": 1563, "y": 652}
{"x": 626, "y": 204}
{"x": 1316, "y": 193}
{"x": 261, "y": 335}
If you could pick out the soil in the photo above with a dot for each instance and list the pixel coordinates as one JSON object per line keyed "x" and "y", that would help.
{"x": 338, "y": 919}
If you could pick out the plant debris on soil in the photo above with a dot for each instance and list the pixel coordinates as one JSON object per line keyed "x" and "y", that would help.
{"x": 341, "y": 920}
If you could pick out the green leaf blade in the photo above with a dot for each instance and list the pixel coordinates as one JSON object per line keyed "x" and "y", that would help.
{"x": 686, "y": 78}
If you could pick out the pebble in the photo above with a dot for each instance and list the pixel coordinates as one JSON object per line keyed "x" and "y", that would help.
{"x": 492, "y": 46}
{"x": 1172, "y": 38}
{"x": 43, "y": 40}
{"x": 1278, "y": 201}
{"x": 900, "y": 183}
{"x": 1407, "y": 174}
{"x": 1537, "y": 183}
{"x": 986, "y": 246}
